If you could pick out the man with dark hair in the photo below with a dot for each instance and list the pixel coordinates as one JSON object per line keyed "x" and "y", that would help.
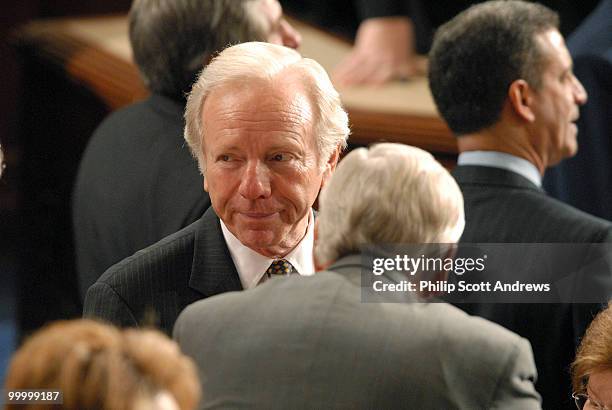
{"x": 137, "y": 181}
{"x": 502, "y": 78}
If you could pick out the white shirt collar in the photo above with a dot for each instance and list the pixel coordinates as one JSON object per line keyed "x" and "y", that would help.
{"x": 252, "y": 266}
{"x": 502, "y": 160}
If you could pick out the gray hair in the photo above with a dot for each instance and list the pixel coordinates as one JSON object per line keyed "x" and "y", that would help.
{"x": 171, "y": 40}
{"x": 266, "y": 62}
{"x": 387, "y": 194}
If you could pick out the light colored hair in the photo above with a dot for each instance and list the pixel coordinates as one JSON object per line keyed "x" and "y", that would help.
{"x": 100, "y": 367}
{"x": 387, "y": 194}
{"x": 268, "y": 62}
{"x": 595, "y": 350}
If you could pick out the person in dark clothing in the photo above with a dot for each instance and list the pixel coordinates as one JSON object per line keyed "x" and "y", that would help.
{"x": 137, "y": 181}
{"x": 513, "y": 110}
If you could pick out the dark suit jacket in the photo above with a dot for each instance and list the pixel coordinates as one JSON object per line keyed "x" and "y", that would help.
{"x": 310, "y": 343}
{"x": 137, "y": 183}
{"x": 155, "y": 284}
{"x": 503, "y": 207}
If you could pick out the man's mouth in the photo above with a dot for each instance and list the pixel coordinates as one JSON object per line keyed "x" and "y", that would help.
{"x": 258, "y": 215}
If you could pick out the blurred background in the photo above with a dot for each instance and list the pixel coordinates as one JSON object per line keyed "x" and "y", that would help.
{"x": 36, "y": 275}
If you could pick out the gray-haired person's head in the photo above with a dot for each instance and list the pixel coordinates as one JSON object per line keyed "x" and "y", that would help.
{"x": 171, "y": 40}
{"x": 256, "y": 61}
{"x": 387, "y": 194}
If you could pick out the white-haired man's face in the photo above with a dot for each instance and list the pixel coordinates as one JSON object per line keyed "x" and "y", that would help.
{"x": 262, "y": 166}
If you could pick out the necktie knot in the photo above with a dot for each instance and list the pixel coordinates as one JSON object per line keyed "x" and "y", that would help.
{"x": 280, "y": 267}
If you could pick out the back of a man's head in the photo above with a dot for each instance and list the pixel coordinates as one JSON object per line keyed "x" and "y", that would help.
{"x": 387, "y": 194}
{"x": 171, "y": 40}
{"x": 479, "y": 53}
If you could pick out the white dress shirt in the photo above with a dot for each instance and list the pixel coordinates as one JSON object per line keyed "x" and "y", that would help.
{"x": 252, "y": 266}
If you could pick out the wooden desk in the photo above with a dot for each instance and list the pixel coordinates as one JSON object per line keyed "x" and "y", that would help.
{"x": 96, "y": 53}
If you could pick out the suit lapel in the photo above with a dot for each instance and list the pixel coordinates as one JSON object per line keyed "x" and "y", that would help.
{"x": 491, "y": 176}
{"x": 213, "y": 270}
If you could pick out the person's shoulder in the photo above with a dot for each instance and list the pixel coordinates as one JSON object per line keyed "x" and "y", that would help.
{"x": 290, "y": 295}
{"x": 125, "y": 116}
{"x": 511, "y": 197}
{"x": 457, "y": 325}
{"x": 464, "y": 339}
{"x": 151, "y": 116}
{"x": 579, "y": 225}
{"x": 154, "y": 260}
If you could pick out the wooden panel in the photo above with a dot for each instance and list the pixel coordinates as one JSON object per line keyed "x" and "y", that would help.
{"x": 93, "y": 51}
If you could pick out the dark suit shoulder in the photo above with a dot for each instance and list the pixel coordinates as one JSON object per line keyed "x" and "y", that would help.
{"x": 150, "y": 287}
{"x": 591, "y": 227}
{"x": 555, "y": 221}
{"x": 159, "y": 259}
{"x": 146, "y": 116}
{"x": 502, "y": 206}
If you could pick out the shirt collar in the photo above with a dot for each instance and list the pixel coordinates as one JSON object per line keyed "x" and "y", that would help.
{"x": 252, "y": 266}
{"x": 502, "y": 160}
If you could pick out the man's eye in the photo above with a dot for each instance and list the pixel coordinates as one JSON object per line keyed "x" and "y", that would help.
{"x": 280, "y": 157}
{"x": 224, "y": 158}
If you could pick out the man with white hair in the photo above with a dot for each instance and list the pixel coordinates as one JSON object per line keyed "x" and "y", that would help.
{"x": 311, "y": 342}
{"x": 266, "y": 127}
{"x": 137, "y": 182}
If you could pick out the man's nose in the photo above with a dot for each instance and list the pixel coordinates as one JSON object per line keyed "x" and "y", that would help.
{"x": 290, "y": 36}
{"x": 580, "y": 94}
{"x": 255, "y": 182}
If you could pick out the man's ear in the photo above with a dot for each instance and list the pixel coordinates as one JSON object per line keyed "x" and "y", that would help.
{"x": 205, "y": 184}
{"x": 330, "y": 167}
{"x": 521, "y": 98}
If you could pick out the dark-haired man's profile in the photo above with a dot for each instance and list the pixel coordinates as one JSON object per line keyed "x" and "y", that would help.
{"x": 501, "y": 77}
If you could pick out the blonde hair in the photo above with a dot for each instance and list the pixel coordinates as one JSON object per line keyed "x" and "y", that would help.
{"x": 97, "y": 366}
{"x": 387, "y": 194}
{"x": 595, "y": 350}
{"x": 268, "y": 62}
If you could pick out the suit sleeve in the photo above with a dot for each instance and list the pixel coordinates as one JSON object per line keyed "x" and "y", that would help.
{"x": 516, "y": 386}
{"x": 103, "y": 303}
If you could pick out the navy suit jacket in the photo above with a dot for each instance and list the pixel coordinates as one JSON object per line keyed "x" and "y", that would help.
{"x": 155, "y": 284}
{"x": 504, "y": 207}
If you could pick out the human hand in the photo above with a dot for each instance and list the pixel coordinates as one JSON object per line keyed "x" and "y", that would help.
{"x": 383, "y": 51}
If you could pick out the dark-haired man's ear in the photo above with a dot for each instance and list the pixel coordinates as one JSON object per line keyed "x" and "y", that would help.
{"x": 520, "y": 95}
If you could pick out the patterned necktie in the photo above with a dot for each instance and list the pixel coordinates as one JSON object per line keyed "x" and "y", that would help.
{"x": 280, "y": 267}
